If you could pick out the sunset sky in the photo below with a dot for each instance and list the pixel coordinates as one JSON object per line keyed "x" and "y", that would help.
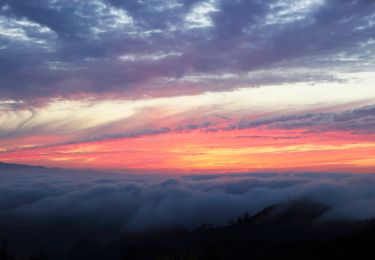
{"x": 178, "y": 86}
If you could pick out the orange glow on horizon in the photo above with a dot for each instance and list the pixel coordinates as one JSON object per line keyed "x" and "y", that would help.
{"x": 222, "y": 151}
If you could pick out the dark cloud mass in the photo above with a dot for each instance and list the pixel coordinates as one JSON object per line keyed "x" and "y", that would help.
{"x": 143, "y": 202}
{"x": 57, "y": 48}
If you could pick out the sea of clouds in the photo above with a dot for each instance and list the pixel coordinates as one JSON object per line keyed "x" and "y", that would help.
{"x": 142, "y": 202}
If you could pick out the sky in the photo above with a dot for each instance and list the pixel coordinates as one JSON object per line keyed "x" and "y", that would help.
{"x": 199, "y": 86}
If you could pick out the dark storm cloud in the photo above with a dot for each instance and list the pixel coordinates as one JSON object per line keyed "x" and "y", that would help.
{"x": 69, "y": 48}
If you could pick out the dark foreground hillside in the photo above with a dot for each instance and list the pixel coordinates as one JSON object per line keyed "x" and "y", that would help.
{"x": 291, "y": 230}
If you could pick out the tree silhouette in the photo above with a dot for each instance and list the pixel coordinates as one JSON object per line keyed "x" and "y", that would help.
{"x": 40, "y": 256}
{"x": 244, "y": 218}
{"x": 4, "y": 251}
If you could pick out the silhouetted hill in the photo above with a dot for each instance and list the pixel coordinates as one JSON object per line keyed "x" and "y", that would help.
{"x": 290, "y": 230}
{"x": 297, "y": 212}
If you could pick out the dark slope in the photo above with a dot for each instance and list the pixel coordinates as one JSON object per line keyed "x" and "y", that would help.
{"x": 290, "y": 230}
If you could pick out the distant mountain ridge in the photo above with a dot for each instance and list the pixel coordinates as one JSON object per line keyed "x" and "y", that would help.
{"x": 15, "y": 165}
{"x": 24, "y": 168}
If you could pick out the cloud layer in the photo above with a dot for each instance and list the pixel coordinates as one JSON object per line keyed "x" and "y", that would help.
{"x": 106, "y": 47}
{"x": 140, "y": 203}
